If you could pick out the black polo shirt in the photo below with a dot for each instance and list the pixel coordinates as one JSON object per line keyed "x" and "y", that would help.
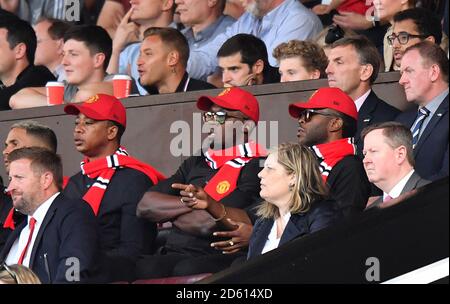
{"x": 196, "y": 171}
{"x": 32, "y": 76}
{"x": 186, "y": 84}
{"x": 349, "y": 185}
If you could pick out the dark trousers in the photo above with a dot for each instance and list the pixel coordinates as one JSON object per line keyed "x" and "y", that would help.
{"x": 177, "y": 264}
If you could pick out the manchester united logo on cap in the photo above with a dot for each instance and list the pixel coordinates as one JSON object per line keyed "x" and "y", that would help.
{"x": 92, "y": 99}
{"x": 224, "y": 92}
{"x": 223, "y": 187}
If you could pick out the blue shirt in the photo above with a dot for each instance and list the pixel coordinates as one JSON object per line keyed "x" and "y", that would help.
{"x": 290, "y": 20}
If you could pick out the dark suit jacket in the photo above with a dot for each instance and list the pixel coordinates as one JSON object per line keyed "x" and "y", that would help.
{"x": 322, "y": 214}
{"x": 374, "y": 110}
{"x": 414, "y": 182}
{"x": 69, "y": 231}
{"x": 431, "y": 151}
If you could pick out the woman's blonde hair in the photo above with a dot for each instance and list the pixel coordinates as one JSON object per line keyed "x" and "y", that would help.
{"x": 17, "y": 274}
{"x": 309, "y": 186}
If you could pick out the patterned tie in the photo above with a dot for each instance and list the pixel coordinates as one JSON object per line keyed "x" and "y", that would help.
{"x": 422, "y": 114}
{"x": 24, "y": 252}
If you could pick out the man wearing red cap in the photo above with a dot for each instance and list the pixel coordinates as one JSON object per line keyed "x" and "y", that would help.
{"x": 112, "y": 183}
{"x": 223, "y": 180}
{"x": 327, "y": 124}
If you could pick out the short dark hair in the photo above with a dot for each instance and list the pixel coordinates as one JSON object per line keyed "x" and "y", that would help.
{"x": 366, "y": 50}
{"x": 96, "y": 39}
{"x": 39, "y": 131}
{"x": 427, "y": 22}
{"x": 20, "y": 31}
{"x": 172, "y": 38}
{"x": 250, "y": 47}
{"x": 42, "y": 160}
{"x": 397, "y": 135}
{"x": 432, "y": 53}
{"x": 57, "y": 28}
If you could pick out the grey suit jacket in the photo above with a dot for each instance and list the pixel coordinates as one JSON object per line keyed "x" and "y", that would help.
{"x": 414, "y": 182}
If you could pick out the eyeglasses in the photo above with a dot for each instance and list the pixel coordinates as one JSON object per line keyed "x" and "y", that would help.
{"x": 219, "y": 116}
{"x": 402, "y": 38}
{"x": 9, "y": 271}
{"x": 307, "y": 115}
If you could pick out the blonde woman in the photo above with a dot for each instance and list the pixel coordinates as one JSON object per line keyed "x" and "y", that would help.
{"x": 296, "y": 199}
{"x": 17, "y": 274}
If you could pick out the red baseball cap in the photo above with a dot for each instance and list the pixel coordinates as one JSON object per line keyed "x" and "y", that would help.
{"x": 100, "y": 107}
{"x": 232, "y": 99}
{"x": 331, "y": 98}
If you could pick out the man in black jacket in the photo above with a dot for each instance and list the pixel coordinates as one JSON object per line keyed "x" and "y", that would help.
{"x": 17, "y": 48}
{"x": 327, "y": 123}
{"x": 353, "y": 67}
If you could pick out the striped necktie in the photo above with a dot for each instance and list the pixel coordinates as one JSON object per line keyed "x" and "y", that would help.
{"x": 422, "y": 114}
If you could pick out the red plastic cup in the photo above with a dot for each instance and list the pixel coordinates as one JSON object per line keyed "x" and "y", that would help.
{"x": 121, "y": 86}
{"x": 55, "y": 93}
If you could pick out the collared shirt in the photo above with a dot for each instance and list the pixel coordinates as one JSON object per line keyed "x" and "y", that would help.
{"x": 360, "y": 101}
{"x": 202, "y": 38}
{"x": 432, "y": 106}
{"x": 289, "y": 20}
{"x": 20, "y": 243}
{"x": 397, "y": 190}
{"x": 272, "y": 240}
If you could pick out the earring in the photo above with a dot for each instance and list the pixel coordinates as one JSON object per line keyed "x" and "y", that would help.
{"x": 174, "y": 70}
{"x": 291, "y": 187}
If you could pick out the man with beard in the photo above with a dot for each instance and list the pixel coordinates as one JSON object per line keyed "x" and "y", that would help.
{"x": 327, "y": 124}
{"x": 226, "y": 172}
{"x": 58, "y": 232}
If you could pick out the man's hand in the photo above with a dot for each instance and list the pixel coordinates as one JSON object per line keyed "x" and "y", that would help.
{"x": 321, "y": 9}
{"x": 239, "y": 238}
{"x": 353, "y": 21}
{"x": 192, "y": 196}
{"x": 126, "y": 32}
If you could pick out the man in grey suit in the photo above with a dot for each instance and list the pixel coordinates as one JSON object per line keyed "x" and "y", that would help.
{"x": 389, "y": 160}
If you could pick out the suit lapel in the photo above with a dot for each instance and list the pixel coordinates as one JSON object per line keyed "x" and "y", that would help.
{"x": 292, "y": 229}
{"x": 441, "y": 111}
{"x": 11, "y": 239}
{"x": 365, "y": 115}
{"x": 411, "y": 183}
{"x": 47, "y": 219}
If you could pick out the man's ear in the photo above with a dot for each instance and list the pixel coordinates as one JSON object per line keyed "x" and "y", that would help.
{"x": 212, "y": 3}
{"x": 173, "y": 58}
{"x": 400, "y": 156}
{"x": 60, "y": 46}
{"x": 315, "y": 74}
{"x": 167, "y": 5}
{"x": 248, "y": 126}
{"x": 431, "y": 39}
{"x": 113, "y": 132}
{"x": 20, "y": 51}
{"x": 335, "y": 125}
{"x": 99, "y": 59}
{"x": 366, "y": 72}
{"x": 47, "y": 179}
{"x": 258, "y": 67}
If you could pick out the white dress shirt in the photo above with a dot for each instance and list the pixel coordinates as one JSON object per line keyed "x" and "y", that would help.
{"x": 21, "y": 242}
{"x": 272, "y": 240}
{"x": 397, "y": 190}
{"x": 360, "y": 101}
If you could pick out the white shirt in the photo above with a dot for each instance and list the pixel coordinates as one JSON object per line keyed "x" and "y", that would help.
{"x": 21, "y": 242}
{"x": 272, "y": 240}
{"x": 397, "y": 190}
{"x": 360, "y": 101}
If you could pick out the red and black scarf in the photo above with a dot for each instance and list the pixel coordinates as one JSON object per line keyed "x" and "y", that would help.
{"x": 229, "y": 162}
{"x": 330, "y": 154}
{"x": 103, "y": 170}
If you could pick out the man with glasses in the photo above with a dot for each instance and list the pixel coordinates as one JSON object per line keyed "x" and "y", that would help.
{"x": 410, "y": 27}
{"x": 227, "y": 172}
{"x": 327, "y": 123}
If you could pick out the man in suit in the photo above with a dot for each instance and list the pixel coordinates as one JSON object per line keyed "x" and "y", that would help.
{"x": 424, "y": 69}
{"x": 354, "y": 63}
{"x": 59, "y": 239}
{"x": 27, "y": 133}
{"x": 389, "y": 161}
